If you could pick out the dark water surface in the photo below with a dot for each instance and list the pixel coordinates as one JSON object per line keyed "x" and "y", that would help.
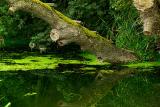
{"x": 35, "y": 80}
{"x": 60, "y": 88}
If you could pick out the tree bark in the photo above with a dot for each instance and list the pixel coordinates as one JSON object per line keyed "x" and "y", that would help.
{"x": 64, "y": 31}
{"x": 150, "y": 15}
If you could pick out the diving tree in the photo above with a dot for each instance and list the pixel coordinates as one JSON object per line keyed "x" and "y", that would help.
{"x": 65, "y": 30}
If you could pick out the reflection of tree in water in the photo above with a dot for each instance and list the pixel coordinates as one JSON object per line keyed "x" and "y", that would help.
{"x": 47, "y": 90}
{"x": 52, "y": 89}
{"x": 24, "y": 89}
{"x": 93, "y": 93}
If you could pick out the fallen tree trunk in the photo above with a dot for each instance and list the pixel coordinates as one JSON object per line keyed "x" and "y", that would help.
{"x": 65, "y": 30}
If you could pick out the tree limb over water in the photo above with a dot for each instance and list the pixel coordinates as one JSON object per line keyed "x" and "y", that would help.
{"x": 65, "y": 30}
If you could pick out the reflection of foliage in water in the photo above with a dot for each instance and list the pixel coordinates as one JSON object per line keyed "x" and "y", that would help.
{"x": 13, "y": 87}
{"x": 136, "y": 91}
{"x": 45, "y": 88}
{"x": 70, "y": 81}
{"x": 18, "y": 88}
{"x": 72, "y": 85}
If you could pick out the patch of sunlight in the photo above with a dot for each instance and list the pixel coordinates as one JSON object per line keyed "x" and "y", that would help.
{"x": 143, "y": 65}
{"x": 8, "y": 104}
{"x": 30, "y": 94}
{"x": 1, "y": 80}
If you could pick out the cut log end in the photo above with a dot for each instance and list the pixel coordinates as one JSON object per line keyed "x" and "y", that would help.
{"x": 148, "y": 25}
{"x": 54, "y": 34}
{"x": 143, "y": 5}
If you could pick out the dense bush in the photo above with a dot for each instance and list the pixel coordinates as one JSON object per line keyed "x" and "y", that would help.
{"x": 18, "y": 28}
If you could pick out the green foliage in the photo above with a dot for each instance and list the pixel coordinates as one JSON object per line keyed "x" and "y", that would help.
{"x": 19, "y": 27}
{"x": 129, "y": 31}
{"x": 114, "y": 19}
{"x": 46, "y": 88}
{"x": 90, "y": 13}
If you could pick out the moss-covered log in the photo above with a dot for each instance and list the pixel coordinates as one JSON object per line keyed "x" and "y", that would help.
{"x": 64, "y": 31}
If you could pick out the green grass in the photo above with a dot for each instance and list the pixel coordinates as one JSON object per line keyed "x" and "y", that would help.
{"x": 144, "y": 65}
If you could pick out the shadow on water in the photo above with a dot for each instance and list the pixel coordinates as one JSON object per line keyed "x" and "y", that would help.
{"x": 45, "y": 88}
{"x": 70, "y": 51}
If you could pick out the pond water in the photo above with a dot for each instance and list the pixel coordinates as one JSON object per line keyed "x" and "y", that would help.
{"x": 35, "y": 80}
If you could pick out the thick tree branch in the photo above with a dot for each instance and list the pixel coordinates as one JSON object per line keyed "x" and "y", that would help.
{"x": 65, "y": 30}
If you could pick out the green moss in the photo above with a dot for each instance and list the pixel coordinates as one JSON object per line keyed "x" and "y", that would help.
{"x": 66, "y": 19}
{"x": 144, "y": 65}
{"x": 42, "y": 4}
{"x": 92, "y": 59}
{"x": 31, "y": 61}
{"x": 94, "y": 34}
{"x": 28, "y": 63}
{"x": 91, "y": 33}
{"x": 70, "y": 21}
{"x": 88, "y": 55}
{"x": 86, "y": 30}
{"x": 57, "y": 12}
